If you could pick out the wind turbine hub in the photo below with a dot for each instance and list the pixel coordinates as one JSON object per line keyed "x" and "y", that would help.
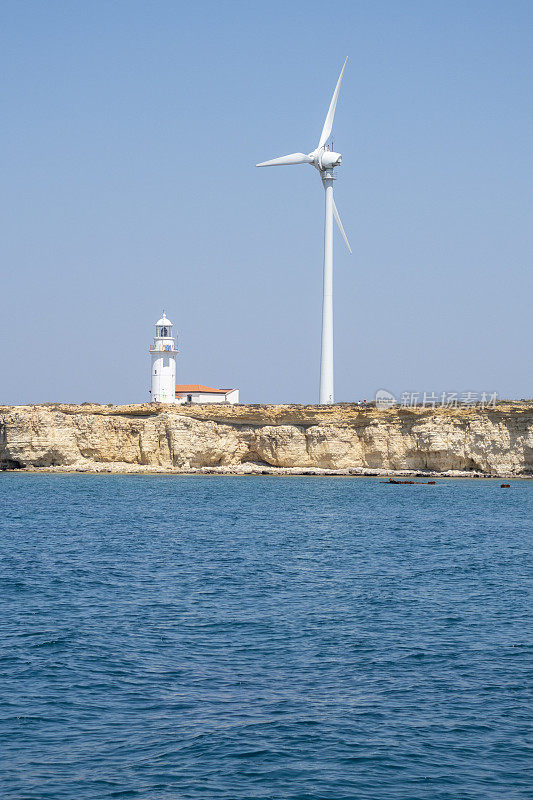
{"x": 327, "y": 160}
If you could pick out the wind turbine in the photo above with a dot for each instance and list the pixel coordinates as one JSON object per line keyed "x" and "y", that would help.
{"x": 325, "y": 160}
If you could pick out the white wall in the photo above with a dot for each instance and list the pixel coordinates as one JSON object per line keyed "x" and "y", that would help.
{"x": 206, "y": 397}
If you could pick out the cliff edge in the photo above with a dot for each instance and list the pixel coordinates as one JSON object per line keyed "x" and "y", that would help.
{"x": 246, "y": 438}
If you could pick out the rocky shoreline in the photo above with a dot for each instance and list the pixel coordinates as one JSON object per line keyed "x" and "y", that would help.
{"x": 338, "y": 440}
{"x": 260, "y": 470}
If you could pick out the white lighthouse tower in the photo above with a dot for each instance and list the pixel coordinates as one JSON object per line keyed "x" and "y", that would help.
{"x": 163, "y": 353}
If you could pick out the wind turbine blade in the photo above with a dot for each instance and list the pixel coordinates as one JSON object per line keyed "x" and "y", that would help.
{"x": 339, "y": 223}
{"x": 328, "y": 124}
{"x": 293, "y": 158}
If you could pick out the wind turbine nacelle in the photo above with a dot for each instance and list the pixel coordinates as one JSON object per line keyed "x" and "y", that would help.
{"x": 328, "y": 160}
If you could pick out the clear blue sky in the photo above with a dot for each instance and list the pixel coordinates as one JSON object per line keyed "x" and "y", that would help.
{"x": 129, "y": 136}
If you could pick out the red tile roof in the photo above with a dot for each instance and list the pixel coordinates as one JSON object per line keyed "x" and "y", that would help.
{"x": 185, "y": 388}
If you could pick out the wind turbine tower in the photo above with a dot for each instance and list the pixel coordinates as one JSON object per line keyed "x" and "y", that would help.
{"x": 325, "y": 161}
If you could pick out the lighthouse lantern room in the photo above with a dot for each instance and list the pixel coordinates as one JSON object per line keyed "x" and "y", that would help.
{"x": 163, "y": 353}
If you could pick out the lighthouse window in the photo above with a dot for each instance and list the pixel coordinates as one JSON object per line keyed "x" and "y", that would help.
{"x": 164, "y": 331}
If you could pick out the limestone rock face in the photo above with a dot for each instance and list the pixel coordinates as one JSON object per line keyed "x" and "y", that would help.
{"x": 491, "y": 441}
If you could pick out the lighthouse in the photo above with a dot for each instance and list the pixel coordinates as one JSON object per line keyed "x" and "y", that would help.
{"x": 163, "y": 353}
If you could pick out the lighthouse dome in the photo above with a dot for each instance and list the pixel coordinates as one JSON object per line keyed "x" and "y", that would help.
{"x": 163, "y": 320}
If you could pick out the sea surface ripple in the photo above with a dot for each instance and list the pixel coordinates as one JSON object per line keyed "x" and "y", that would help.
{"x": 250, "y": 638}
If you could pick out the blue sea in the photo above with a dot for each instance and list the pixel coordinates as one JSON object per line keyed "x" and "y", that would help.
{"x": 169, "y": 637}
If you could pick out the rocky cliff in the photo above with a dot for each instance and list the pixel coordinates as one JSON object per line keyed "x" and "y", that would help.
{"x": 256, "y": 438}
